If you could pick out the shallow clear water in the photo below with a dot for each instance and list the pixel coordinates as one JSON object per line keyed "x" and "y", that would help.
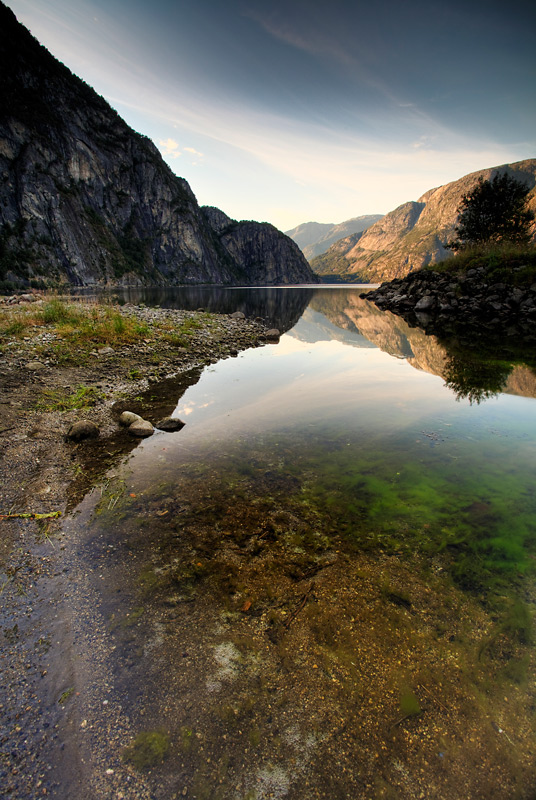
{"x": 327, "y": 576}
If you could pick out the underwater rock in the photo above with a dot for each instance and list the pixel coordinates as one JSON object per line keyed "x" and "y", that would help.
{"x": 170, "y": 424}
{"x": 141, "y": 427}
{"x": 83, "y": 429}
{"x": 272, "y": 335}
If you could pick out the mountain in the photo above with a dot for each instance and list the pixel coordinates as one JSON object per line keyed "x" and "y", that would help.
{"x": 412, "y": 235}
{"x": 86, "y": 200}
{"x": 315, "y": 238}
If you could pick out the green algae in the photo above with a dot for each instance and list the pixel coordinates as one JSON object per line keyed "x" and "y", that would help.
{"x": 480, "y": 517}
{"x": 148, "y": 750}
{"x": 409, "y": 704}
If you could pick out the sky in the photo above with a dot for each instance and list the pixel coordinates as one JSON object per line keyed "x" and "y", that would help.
{"x": 289, "y": 111}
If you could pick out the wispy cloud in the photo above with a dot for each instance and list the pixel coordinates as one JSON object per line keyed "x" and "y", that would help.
{"x": 170, "y": 148}
{"x": 318, "y": 41}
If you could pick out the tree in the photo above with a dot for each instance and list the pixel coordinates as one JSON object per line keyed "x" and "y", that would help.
{"x": 493, "y": 211}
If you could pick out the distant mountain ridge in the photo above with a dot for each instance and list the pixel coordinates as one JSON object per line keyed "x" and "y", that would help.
{"x": 86, "y": 200}
{"x": 414, "y": 234}
{"x": 315, "y": 238}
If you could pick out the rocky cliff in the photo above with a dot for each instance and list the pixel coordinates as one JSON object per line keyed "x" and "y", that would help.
{"x": 414, "y": 234}
{"x": 265, "y": 250}
{"x": 314, "y": 238}
{"x": 85, "y": 199}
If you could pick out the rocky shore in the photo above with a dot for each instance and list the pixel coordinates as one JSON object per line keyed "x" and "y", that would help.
{"x": 443, "y": 303}
{"x": 42, "y": 474}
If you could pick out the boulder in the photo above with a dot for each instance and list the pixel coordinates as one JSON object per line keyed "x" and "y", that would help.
{"x": 128, "y": 417}
{"x": 83, "y": 429}
{"x": 426, "y": 303}
{"x": 141, "y": 428}
{"x": 238, "y": 315}
{"x": 273, "y": 335}
{"x": 170, "y": 424}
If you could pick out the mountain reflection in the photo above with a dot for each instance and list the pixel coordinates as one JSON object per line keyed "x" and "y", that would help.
{"x": 474, "y": 369}
{"x": 475, "y": 372}
{"x": 280, "y": 308}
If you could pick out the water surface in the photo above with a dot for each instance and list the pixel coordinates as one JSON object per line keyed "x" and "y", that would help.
{"x": 323, "y": 585}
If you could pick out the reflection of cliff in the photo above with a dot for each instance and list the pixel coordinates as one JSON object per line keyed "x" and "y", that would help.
{"x": 280, "y": 308}
{"x": 521, "y": 381}
{"x": 346, "y": 310}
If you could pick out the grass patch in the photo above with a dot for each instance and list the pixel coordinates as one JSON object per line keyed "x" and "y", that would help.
{"x": 505, "y": 263}
{"x": 66, "y": 695}
{"x": 77, "y": 328}
{"x": 58, "y": 400}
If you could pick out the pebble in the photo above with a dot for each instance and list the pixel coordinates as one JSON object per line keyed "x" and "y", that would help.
{"x": 128, "y": 417}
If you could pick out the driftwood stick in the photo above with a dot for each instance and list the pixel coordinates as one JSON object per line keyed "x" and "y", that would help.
{"x": 303, "y": 601}
{"x": 432, "y": 697}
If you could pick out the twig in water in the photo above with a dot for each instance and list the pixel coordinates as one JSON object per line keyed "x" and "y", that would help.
{"x": 288, "y": 622}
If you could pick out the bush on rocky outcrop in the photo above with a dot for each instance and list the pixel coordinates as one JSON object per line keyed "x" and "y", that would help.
{"x": 493, "y": 211}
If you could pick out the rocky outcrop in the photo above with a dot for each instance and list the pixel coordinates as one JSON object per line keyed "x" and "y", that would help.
{"x": 86, "y": 200}
{"x": 315, "y": 238}
{"x": 443, "y": 302}
{"x": 414, "y": 234}
{"x": 261, "y": 249}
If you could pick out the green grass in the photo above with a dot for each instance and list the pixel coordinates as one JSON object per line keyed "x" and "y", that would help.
{"x": 59, "y": 400}
{"x": 77, "y": 328}
{"x": 505, "y": 263}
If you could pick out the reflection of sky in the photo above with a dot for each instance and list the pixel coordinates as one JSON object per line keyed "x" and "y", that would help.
{"x": 296, "y": 383}
{"x": 298, "y": 387}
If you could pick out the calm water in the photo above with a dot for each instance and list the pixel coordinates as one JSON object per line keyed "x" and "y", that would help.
{"x": 323, "y": 585}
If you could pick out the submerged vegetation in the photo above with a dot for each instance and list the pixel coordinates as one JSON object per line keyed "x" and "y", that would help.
{"x": 148, "y": 749}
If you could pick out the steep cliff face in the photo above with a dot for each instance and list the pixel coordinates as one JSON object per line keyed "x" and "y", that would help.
{"x": 261, "y": 249}
{"x": 83, "y": 198}
{"x": 415, "y": 233}
{"x": 314, "y": 238}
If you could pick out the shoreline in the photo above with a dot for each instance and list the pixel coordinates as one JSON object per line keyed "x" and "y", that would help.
{"x": 44, "y": 473}
{"x": 90, "y": 634}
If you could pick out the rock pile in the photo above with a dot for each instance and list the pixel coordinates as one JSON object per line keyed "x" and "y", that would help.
{"x": 442, "y": 301}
